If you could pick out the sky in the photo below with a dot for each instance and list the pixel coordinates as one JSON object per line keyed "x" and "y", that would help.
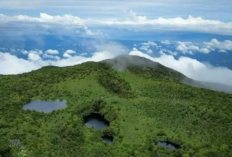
{"x": 193, "y": 37}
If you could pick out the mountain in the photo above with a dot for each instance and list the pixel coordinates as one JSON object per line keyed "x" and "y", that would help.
{"x": 144, "y": 102}
{"x": 126, "y": 62}
{"x": 122, "y": 62}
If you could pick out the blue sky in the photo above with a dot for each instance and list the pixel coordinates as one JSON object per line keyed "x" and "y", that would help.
{"x": 209, "y": 9}
{"x": 193, "y": 37}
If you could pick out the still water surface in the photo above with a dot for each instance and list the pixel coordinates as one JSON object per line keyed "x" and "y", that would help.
{"x": 96, "y": 121}
{"x": 45, "y": 106}
{"x": 168, "y": 145}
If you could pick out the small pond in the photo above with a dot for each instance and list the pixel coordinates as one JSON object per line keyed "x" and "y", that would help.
{"x": 96, "y": 121}
{"x": 45, "y": 106}
{"x": 169, "y": 145}
{"x": 108, "y": 139}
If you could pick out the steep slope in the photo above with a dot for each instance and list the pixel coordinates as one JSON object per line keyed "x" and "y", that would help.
{"x": 146, "y": 67}
{"x": 144, "y": 105}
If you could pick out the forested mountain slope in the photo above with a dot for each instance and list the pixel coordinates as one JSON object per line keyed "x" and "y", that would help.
{"x": 144, "y": 104}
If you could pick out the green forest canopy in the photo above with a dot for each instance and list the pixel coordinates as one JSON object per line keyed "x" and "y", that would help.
{"x": 144, "y": 105}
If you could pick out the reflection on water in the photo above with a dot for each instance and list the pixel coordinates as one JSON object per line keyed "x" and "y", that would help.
{"x": 45, "y": 106}
{"x": 169, "y": 145}
{"x": 96, "y": 121}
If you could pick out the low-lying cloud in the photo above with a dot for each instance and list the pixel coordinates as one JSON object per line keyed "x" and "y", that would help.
{"x": 11, "y": 64}
{"x": 192, "y": 68}
{"x": 204, "y": 47}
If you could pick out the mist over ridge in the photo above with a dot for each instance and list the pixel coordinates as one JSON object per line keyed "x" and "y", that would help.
{"x": 121, "y": 63}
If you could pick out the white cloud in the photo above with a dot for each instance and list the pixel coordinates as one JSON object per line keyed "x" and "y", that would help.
{"x": 133, "y": 16}
{"x": 67, "y": 53}
{"x": 11, "y": 64}
{"x": 39, "y": 52}
{"x": 33, "y": 56}
{"x": 168, "y": 51}
{"x": 150, "y": 51}
{"x": 142, "y": 23}
{"x": 70, "y": 51}
{"x": 50, "y": 56}
{"x": 112, "y": 47}
{"x": 220, "y": 45}
{"x": 190, "y": 48}
{"x": 67, "y": 24}
{"x": 24, "y": 52}
{"x": 146, "y": 46}
{"x": 52, "y": 52}
{"x": 223, "y": 51}
{"x": 83, "y": 54}
{"x": 44, "y": 18}
{"x": 186, "y": 47}
{"x": 166, "y": 42}
{"x": 149, "y": 43}
{"x": 36, "y": 52}
{"x": 161, "y": 52}
{"x": 70, "y": 24}
{"x": 192, "y": 68}
{"x": 146, "y": 49}
{"x": 206, "y": 47}
{"x": 204, "y": 50}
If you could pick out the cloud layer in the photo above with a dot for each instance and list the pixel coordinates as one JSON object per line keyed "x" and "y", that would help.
{"x": 68, "y": 53}
{"x": 69, "y": 24}
{"x": 142, "y": 23}
{"x": 145, "y": 7}
{"x": 11, "y": 64}
{"x": 146, "y": 46}
{"x": 205, "y": 47}
{"x": 192, "y": 68}
{"x": 44, "y": 24}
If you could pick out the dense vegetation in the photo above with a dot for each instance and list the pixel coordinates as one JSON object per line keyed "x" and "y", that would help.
{"x": 143, "y": 106}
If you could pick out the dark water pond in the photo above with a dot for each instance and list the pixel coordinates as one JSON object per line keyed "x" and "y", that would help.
{"x": 169, "y": 145}
{"x": 45, "y": 106}
{"x": 96, "y": 121}
{"x": 108, "y": 139}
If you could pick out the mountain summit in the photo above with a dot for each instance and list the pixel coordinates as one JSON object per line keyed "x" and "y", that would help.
{"x": 126, "y": 62}
{"x": 123, "y": 61}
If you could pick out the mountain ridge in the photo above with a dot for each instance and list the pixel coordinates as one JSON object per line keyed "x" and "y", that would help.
{"x": 122, "y": 62}
{"x": 127, "y": 62}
